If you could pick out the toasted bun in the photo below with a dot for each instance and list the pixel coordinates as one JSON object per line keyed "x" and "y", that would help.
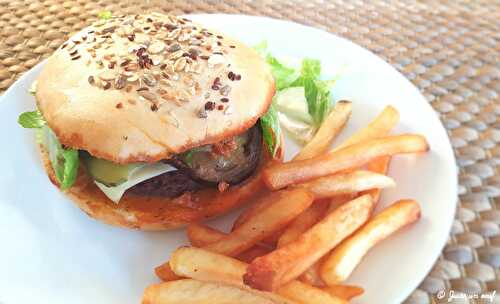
{"x": 156, "y": 213}
{"x": 135, "y": 88}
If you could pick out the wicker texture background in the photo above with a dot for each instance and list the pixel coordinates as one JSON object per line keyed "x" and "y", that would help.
{"x": 448, "y": 49}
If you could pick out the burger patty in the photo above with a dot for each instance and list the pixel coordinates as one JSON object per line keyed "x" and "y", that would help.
{"x": 230, "y": 161}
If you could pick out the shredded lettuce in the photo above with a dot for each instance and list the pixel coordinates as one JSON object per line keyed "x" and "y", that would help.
{"x": 64, "y": 161}
{"x": 316, "y": 94}
{"x": 271, "y": 130}
{"x": 31, "y": 120}
{"x": 316, "y": 91}
{"x": 283, "y": 76}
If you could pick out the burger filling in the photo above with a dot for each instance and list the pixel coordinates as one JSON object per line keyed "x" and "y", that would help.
{"x": 219, "y": 165}
{"x": 229, "y": 162}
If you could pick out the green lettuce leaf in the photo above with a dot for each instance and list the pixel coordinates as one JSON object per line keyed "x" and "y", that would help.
{"x": 283, "y": 76}
{"x": 31, "y": 120}
{"x": 70, "y": 165}
{"x": 271, "y": 130}
{"x": 261, "y": 48}
{"x": 316, "y": 91}
{"x": 65, "y": 162}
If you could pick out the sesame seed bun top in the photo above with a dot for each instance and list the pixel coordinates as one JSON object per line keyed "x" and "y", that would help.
{"x": 140, "y": 88}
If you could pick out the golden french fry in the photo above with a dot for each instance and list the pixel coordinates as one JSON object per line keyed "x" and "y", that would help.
{"x": 282, "y": 175}
{"x": 378, "y": 165}
{"x": 201, "y": 235}
{"x": 303, "y": 293}
{"x": 303, "y": 222}
{"x": 196, "y": 292}
{"x": 339, "y": 200}
{"x": 251, "y": 211}
{"x": 346, "y": 292}
{"x": 311, "y": 275}
{"x": 208, "y": 266}
{"x": 165, "y": 273}
{"x": 345, "y": 183}
{"x": 271, "y": 271}
{"x": 329, "y": 129}
{"x": 251, "y": 254}
{"x": 281, "y": 208}
{"x": 343, "y": 259}
{"x": 377, "y": 128}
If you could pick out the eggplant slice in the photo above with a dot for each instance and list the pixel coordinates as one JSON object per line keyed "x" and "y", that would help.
{"x": 202, "y": 168}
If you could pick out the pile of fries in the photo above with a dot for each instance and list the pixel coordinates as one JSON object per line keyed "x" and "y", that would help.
{"x": 303, "y": 239}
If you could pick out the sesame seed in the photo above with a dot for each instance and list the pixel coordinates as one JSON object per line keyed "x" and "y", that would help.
{"x": 209, "y": 106}
{"x": 232, "y": 46}
{"x": 77, "y": 57}
{"x": 125, "y": 62}
{"x": 73, "y": 53}
{"x": 91, "y": 79}
{"x": 202, "y": 113}
{"x": 119, "y": 105}
{"x": 224, "y": 99}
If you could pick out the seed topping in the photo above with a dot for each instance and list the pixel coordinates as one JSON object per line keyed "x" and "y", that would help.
{"x": 157, "y": 58}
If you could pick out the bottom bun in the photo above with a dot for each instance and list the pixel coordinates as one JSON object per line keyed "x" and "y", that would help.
{"x": 158, "y": 213}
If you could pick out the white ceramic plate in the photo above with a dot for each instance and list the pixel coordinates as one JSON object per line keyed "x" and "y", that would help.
{"x": 51, "y": 252}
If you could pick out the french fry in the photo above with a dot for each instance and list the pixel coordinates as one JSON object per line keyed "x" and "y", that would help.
{"x": 343, "y": 259}
{"x": 303, "y": 222}
{"x": 311, "y": 275}
{"x": 251, "y": 254}
{"x": 165, "y": 273}
{"x": 196, "y": 292}
{"x": 345, "y": 183}
{"x": 271, "y": 271}
{"x": 208, "y": 266}
{"x": 201, "y": 235}
{"x": 377, "y": 128}
{"x": 303, "y": 293}
{"x": 281, "y": 208}
{"x": 329, "y": 129}
{"x": 378, "y": 165}
{"x": 282, "y": 175}
{"x": 339, "y": 200}
{"x": 251, "y": 211}
{"x": 346, "y": 292}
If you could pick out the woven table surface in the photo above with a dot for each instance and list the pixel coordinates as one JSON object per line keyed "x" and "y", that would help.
{"x": 450, "y": 50}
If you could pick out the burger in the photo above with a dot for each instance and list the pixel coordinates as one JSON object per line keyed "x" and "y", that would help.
{"x": 153, "y": 121}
